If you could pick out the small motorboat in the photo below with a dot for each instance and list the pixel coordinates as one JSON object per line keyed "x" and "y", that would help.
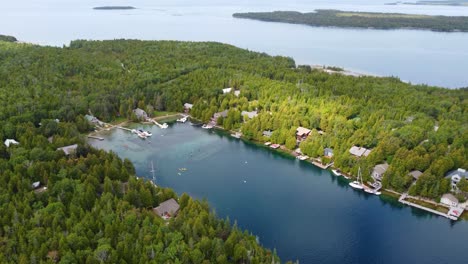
{"x": 236, "y": 135}
{"x": 267, "y": 143}
{"x": 207, "y": 126}
{"x": 337, "y": 172}
{"x": 356, "y": 185}
{"x": 302, "y": 157}
{"x": 182, "y": 120}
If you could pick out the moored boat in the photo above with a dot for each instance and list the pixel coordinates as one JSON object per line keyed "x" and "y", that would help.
{"x": 337, "y": 172}
{"x": 267, "y": 143}
{"x": 207, "y": 126}
{"x": 357, "y": 184}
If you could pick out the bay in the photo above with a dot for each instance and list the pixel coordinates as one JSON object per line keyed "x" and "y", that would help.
{"x": 306, "y": 213}
{"x": 421, "y": 57}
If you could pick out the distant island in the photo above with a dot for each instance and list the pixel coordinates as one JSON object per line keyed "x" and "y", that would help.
{"x": 347, "y": 19}
{"x": 7, "y": 38}
{"x": 113, "y": 7}
{"x": 438, "y": 3}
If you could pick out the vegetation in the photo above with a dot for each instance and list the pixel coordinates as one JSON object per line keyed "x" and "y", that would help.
{"x": 94, "y": 209}
{"x": 7, "y": 38}
{"x": 336, "y": 18}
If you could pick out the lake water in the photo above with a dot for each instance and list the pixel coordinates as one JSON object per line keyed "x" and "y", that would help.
{"x": 416, "y": 56}
{"x": 306, "y": 213}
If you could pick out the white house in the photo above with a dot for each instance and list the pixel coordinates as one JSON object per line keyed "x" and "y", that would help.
{"x": 455, "y": 177}
{"x": 449, "y": 199}
{"x": 359, "y": 151}
{"x": 328, "y": 152}
{"x": 237, "y": 93}
{"x": 250, "y": 115}
{"x": 188, "y": 106}
{"x": 227, "y": 90}
{"x": 10, "y": 142}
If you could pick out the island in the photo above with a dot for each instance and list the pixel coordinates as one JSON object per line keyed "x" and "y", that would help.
{"x": 7, "y": 38}
{"x": 349, "y": 19}
{"x": 436, "y": 3}
{"x": 113, "y": 7}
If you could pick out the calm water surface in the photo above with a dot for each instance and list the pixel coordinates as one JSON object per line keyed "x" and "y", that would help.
{"x": 415, "y": 56}
{"x": 304, "y": 212}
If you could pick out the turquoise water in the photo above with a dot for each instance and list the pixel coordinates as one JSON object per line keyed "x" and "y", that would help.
{"x": 304, "y": 212}
{"x": 413, "y": 55}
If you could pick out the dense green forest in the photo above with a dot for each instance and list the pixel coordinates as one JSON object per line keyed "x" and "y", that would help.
{"x": 7, "y": 38}
{"x": 94, "y": 209}
{"x": 336, "y": 18}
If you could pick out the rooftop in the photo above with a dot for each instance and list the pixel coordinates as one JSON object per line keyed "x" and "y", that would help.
{"x": 251, "y": 114}
{"x": 415, "y": 174}
{"x": 359, "y": 151}
{"x": 450, "y": 197}
{"x": 69, "y": 149}
{"x": 301, "y": 131}
{"x": 170, "y": 207}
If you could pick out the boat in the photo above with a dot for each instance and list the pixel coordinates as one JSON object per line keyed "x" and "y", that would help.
{"x": 337, "y": 172}
{"x": 267, "y": 143}
{"x": 302, "y": 157}
{"x": 141, "y": 135}
{"x": 182, "y": 119}
{"x": 165, "y": 125}
{"x": 274, "y": 146}
{"x": 357, "y": 184}
{"x": 145, "y": 133}
{"x": 207, "y": 126}
{"x": 236, "y": 135}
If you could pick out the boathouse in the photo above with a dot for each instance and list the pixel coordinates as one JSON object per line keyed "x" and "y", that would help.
{"x": 359, "y": 151}
{"x": 379, "y": 171}
{"x": 302, "y": 133}
{"x": 69, "y": 149}
{"x": 167, "y": 209}
{"x": 449, "y": 199}
{"x": 10, "y": 142}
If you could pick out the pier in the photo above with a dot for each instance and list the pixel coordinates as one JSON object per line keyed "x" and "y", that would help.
{"x": 320, "y": 165}
{"x": 94, "y": 137}
{"x": 403, "y": 201}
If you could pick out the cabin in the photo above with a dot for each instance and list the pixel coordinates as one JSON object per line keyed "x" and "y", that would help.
{"x": 267, "y": 133}
{"x": 219, "y": 114}
{"x": 455, "y": 177}
{"x": 69, "y": 149}
{"x": 36, "y": 185}
{"x": 328, "y": 152}
{"x": 140, "y": 114}
{"x": 449, "y": 199}
{"x": 10, "y": 142}
{"x": 167, "y": 209}
{"x": 250, "y": 115}
{"x": 302, "y": 133}
{"x": 187, "y": 107}
{"x": 93, "y": 120}
{"x": 359, "y": 151}
{"x": 415, "y": 174}
{"x": 237, "y": 93}
{"x": 379, "y": 171}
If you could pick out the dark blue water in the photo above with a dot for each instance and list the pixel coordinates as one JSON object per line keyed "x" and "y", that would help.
{"x": 306, "y": 213}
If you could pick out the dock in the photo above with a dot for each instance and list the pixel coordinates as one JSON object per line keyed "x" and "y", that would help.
{"x": 446, "y": 215}
{"x": 156, "y": 123}
{"x": 320, "y": 165}
{"x": 94, "y": 137}
{"x": 124, "y": 128}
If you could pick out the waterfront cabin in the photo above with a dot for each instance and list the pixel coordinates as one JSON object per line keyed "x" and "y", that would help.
{"x": 302, "y": 133}
{"x": 379, "y": 171}
{"x": 69, "y": 149}
{"x": 10, "y": 142}
{"x": 93, "y": 120}
{"x": 415, "y": 174}
{"x": 328, "y": 152}
{"x": 249, "y": 115}
{"x": 449, "y": 199}
{"x": 359, "y": 151}
{"x": 36, "y": 185}
{"x": 218, "y": 115}
{"x": 140, "y": 114}
{"x": 167, "y": 209}
{"x": 455, "y": 177}
{"x": 267, "y": 133}
{"x": 187, "y": 107}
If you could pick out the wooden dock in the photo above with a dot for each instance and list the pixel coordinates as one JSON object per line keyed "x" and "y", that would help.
{"x": 94, "y": 137}
{"x": 320, "y": 165}
{"x": 403, "y": 201}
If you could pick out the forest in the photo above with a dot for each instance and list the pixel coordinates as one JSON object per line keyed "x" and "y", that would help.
{"x": 348, "y": 19}
{"x": 95, "y": 210}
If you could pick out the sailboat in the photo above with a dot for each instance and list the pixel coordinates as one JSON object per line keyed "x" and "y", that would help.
{"x": 153, "y": 171}
{"x": 357, "y": 184}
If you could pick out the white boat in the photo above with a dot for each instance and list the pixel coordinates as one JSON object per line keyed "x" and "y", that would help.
{"x": 141, "y": 135}
{"x": 148, "y": 134}
{"x": 302, "y": 157}
{"x": 164, "y": 126}
{"x": 357, "y": 184}
{"x": 207, "y": 126}
{"x": 236, "y": 135}
{"x": 267, "y": 143}
{"x": 145, "y": 133}
{"x": 337, "y": 172}
{"x": 182, "y": 119}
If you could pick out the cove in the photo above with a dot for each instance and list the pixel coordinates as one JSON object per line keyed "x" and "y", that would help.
{"x": 304, "y": 212}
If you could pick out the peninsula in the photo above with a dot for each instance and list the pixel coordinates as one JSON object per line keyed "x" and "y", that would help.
{"x": 348, "y": 19}
{"x": 113, "y": 7}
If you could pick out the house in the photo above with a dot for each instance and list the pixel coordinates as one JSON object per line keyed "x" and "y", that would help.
{"x": 359, "y": 151}
{"x": 188, "y": 107}
{"x": 167, "y": 209}
{"x": 415, "y": 174}
{"x": 10, "y": 142}
{"x": 140, "y": 114}
{"x": 250, "y": 115}
{"x": 379, "y": 171}
{"x": 219, "y": 114}
{"x": 455, "y": 177}
{"x": 328, "y": 152}
{"x": 94, "y": 120}
{"x": 302, "y": 133}
{"x": 237, "y": 93}
{"x": 227, "y": 90}
{"x": 69, "y": 149}
{"x": 267, "y": 133}
{"x": 449, "y": 199}
{"x": 36, "y": 185}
